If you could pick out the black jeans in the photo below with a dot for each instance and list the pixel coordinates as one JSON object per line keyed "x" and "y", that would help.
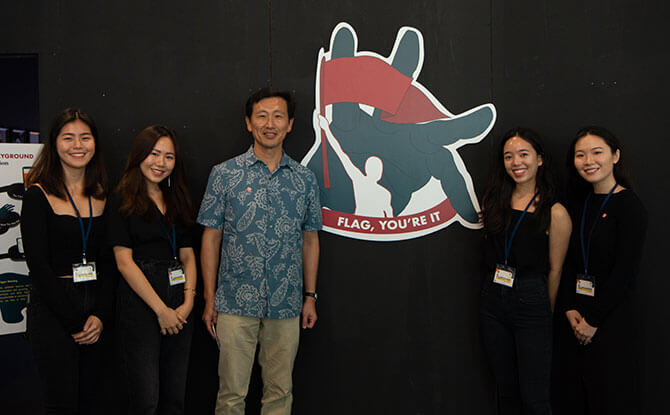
{"x": 154, "y": 366}
{"x": 70, "y": 374}
{"x": 517, "y": 334}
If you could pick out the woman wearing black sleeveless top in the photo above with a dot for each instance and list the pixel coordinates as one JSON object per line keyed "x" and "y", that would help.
{"x": 599, "y": 366}
{"x": 62, "y": 225}
{"x": 526, "y": 239}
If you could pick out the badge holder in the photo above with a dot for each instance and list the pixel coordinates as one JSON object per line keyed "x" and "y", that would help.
{"x": 85, "y": 271}
{"x": 586, "y": 285}
{"x": 176, "y": 274}
{"x": 504, "y": 275}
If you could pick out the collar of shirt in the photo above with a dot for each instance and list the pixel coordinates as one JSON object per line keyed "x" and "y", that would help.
{"x": 251, "y": 159}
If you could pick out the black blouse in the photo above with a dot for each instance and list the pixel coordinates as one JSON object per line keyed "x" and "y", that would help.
{"x": 614, "y": 259}
{"x": 52, "y": 243}
{"x": 147, "y": 238}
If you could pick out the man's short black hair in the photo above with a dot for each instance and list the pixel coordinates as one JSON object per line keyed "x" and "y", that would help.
{"x": 270, "y": 92}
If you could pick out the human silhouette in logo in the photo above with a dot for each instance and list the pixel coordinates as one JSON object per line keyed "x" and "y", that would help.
{"x": 371, "y": 198}
{"x": 411, "y": 152}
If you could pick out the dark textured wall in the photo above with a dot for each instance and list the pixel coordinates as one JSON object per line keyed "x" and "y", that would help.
{"x": 398, "y": 328}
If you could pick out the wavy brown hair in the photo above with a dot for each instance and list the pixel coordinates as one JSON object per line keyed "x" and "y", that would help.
{"x": 133, "y": 187}
{"x": 48, "y": 170}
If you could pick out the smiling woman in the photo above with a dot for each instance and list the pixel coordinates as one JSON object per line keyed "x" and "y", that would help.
{"x": 63, "y": 232}
{"x": 150, "y": 230}
{"x": 526, "y": 239}
{"x": 600, "y": 325}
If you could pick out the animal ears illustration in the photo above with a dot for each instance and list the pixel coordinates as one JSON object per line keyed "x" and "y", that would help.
{"x": 407, "y": 54}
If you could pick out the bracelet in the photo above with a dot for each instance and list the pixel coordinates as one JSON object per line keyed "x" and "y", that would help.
{"x": 190, "y": 289}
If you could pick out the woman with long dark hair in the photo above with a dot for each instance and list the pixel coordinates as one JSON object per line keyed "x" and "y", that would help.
{"x": 526, "y": 238}
{"x": 63, "y": 231}
{"x": 599, "y": 368}
{"x": 150, "y": 230}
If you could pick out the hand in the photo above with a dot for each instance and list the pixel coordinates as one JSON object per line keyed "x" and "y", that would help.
{"x": 185, "y": 309}
{"x": 91, "y": 332}
{"x": 308, "y": 313}
{"x": 573, "y": 317}
{"x": 169, "y": 321}
{"x": 584, "y": 332}
{"x": 209, "y": 318}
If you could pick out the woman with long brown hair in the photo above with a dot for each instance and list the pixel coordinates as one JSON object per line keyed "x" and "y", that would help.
{"x": 527, "y": 233}
{"x": 63, "y": 231}
{"x": 150, "y": 231}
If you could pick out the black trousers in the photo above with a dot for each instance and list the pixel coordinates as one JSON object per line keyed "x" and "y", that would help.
{"x": 153, "y": 366}
{"x": 517, "y": 333}
{"x": 70, "y": 374}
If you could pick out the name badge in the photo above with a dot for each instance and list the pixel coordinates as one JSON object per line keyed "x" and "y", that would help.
{"x": 84, "y": 272}
{"x": 176, "y": 274}
{"x": 586, "y": 285}
{"x": 504, "y": 275}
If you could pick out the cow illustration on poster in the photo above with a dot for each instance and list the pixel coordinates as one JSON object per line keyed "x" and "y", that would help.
{"x": 385, "y": 150}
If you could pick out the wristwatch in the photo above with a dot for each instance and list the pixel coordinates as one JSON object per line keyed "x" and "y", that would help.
{"x": 310, "y": 294}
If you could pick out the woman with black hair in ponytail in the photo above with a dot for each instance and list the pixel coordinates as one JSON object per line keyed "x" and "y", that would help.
{"x": 526, "y": 239}
{"x": 150, "y": 231}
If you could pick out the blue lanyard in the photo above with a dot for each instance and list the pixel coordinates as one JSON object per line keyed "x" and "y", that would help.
{"x": 508, "y": 241}
{"x": 84, "y": 236}
{"x": 586, "y": 248}
{"x": 173, "y": 240}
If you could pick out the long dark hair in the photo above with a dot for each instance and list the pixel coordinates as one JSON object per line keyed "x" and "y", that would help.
{"x": 133, "y": 188}
{"x": 496, "y": 210}
{"x": 48, "y": 170}
{"x": 577, "y": 186}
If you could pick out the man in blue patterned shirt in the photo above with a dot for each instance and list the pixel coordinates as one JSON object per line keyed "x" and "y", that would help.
{"x": 262, "y": 215}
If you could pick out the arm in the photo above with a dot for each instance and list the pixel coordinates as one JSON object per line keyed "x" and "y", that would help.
{"x": 559, "y": 239}
{"x": 168, "y": 319}
{"x": 310, "y": 266}
{"x": 187, "y": 258}
{"x": 348, "y": 165}
{"x": 209, "y": 263}
{"x": 34, "y": 224}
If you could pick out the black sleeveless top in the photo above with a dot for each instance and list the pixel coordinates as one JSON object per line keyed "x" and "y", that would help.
{"x": 530, "y": 248}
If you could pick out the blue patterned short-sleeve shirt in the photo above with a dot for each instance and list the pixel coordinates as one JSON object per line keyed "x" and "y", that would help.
{"x": 262, "y": 216}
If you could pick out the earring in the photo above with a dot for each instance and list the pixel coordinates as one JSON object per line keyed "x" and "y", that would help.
{"x": 169, "y": 184}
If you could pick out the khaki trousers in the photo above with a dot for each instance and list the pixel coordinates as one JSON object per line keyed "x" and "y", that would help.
{"x": 238, "y": 337}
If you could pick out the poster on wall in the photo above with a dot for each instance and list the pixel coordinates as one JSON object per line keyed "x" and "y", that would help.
{"x": 15, "y": 163}
{"x": 386, "y": 149}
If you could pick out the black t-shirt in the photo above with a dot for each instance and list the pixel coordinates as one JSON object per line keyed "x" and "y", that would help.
{"x": 148, "y": 238}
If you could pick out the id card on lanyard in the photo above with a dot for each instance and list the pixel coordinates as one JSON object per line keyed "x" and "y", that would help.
{"x": 505, "y": 274}
{"x": 84, "y": 271}
{"x": 176, "y": 273}
{"x": 586, "y": 283}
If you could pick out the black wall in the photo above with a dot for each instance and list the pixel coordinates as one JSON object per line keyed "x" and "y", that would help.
{"x": 398, "y": 327}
